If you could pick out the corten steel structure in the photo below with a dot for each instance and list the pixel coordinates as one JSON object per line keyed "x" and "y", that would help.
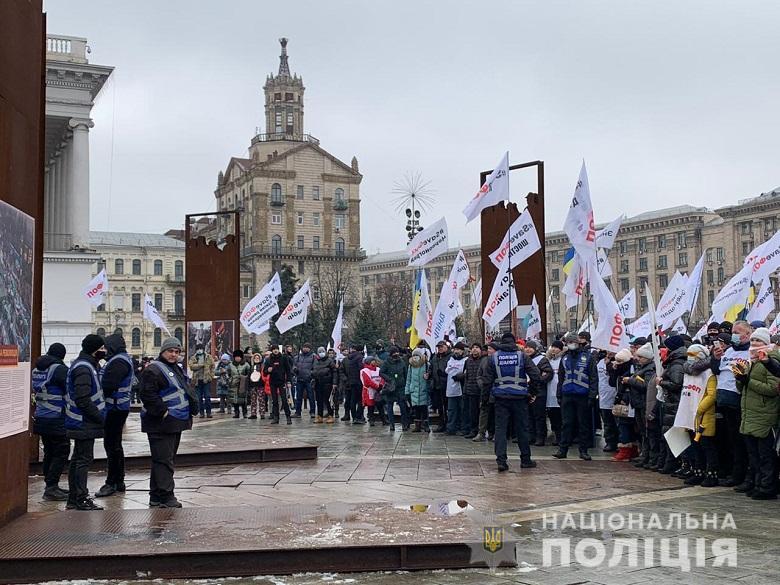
{"x": 529, "y": 278}
{"x": 22, "y": 67}
{"x": 212, "y": 283}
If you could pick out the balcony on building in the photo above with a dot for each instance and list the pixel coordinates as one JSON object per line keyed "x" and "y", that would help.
{"x": 340, "y": 205}
{"x": 174, "y": 278}
{"x": 277, "y": 136}
{"x": 295, "y": 251}
{"x": 176, "y": 315}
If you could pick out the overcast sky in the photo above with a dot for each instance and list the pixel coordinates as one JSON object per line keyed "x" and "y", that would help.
{"x": 668, "y": 102}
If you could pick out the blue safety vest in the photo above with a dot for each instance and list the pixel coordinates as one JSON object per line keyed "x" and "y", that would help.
{"x": 74, "y": 419}
{"x": 120, "y": 400}
{"x": 173, "y": 395}
{"x": 511, "y": 378}
{"x": 576, "y": 378}
{"x": 49, "y": 398}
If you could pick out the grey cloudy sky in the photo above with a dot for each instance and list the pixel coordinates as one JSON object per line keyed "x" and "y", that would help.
{"x": 668, "y": 102}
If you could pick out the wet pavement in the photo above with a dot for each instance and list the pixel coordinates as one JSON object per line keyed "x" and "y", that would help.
{"x": 379, "y": 472}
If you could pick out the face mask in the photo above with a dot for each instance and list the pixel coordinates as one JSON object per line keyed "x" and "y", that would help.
{"x": 321, "y": 354}
{"x": 199, "y": 352}
{"x": 572, "y": 346}
{"x": 100, "y": 355}
{"x": 736, "y": 339}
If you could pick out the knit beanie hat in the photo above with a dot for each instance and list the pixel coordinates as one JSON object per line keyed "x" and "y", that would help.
{"x": 646, "y": 351}
{"x": 92, "y": 343}
{"x": 762, "y": 334}
{"x": 674, "y": 342}
{"x": 170, "y": 343}
{"x": 508, "y": 338}
{"x": 557, "y": 343}
{"x": 238, "y": 353}
{"x": 225, "y": 357}
{"x": 57, "y": 350}
{"x": 623, "y": 356}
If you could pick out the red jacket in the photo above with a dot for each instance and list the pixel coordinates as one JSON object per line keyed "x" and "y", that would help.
{"x": 372, "y": 383}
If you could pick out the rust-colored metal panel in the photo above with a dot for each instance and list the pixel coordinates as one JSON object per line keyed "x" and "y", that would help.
{"x": 22, "y": 69}
{"x": 212, "y": 271}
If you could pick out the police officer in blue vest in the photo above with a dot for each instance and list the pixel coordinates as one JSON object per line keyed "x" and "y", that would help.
{"x": 85, "y": 409}
{"x": 578, "y": 387}
{"x": 512, "y": 378}
{"x": 117, "y": 380}
{"x": 48, "y": 381}
{"x": 167, "y": 411}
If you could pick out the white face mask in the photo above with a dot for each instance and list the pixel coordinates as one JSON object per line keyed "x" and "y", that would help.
{"x": 572, "y": 346}
{"x": 321, "y": 354}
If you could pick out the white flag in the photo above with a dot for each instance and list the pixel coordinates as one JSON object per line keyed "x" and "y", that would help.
{"x": 694, "y": 285}
{"x": 520, "y": 242}
{"x": 602, "y": 264}
{"x": 534, "y": 326}
{"x": 152, "y": 314}
{"x": 587, "y": 325}
{"x": 734, "y": 293}
{"x": 674, "y": 303}
{"x": 605, "y": 238}
{"x": 701, "y": 332}
{"x": 574, "y": 287}
{"x": 655, "y": 341}
{"x": 296, "y": 311}
{"x": 642, "y": 327}
{"x": 627, "y": 305}
{"x": 275, "y": 284}
{"x": 424, "y": 322}
{"x": 774, "y": 328}
{"x": 459, "y": 273}
{"x": 764, "y": 304}
{"x": 767, "y": 258}
{"x": 337, "y": 326}
{"x": 610, "y": 333}
{"x": 503, "y": 297}
{"x": 428, "y": 244}
{"x": 446, "y": 310}
{"x": 580, "y": 225}
{"x": 257, "y": 313}
{"x": 679, "y": 327}
{"x": 495, "y": 190}
{"x": 478, "y": 295}
{"x": 97, "y": 289}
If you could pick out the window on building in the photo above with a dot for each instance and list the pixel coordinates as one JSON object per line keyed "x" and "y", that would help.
{"x": 119, "y": 266}
{"x": 178, "y": 333}
{"x": 136, "y": 267}
{"x": 278, "y": 96}
{"x": 101, "y": 265}
{"x": 662, "y": 262}
{"x": 300, "y": 242}
{"x": 643, "y": 264}
{"x": 315, "y": 243}
{"x": 556, "y": 308}
{"x": 158, "y": 301}
{"x": 100, "y": 331}
{"x": 662, "y": 241}
{"x": 622, "y": 246}
{"x": 158, "y": 267}
{"x": 339, "y": 246}
{"x": 339, "y": 194}
{"x": 276, "y": 218}
{"x": 135, "y": 339}
{"x": 624, "y": 285}
{"x": 299, "y": 192}
{"x": 135, "y": 302}
{"x": 278, "y": 123}
{"x": 276, "y": 244}
{"x": 642, "y": 283}
{"x": 747, "y": 228}
{"x": 721, "y": 276}
{"x": 556, "y": 274}
{"x": 300, "y": 218}
{"x": 663, "y": 280}
{"x": 746, "y": 248}
{"x": 710, "y": 297}
{"x": 339, "y": 221}
{"x": 624, "y": 266}
{"x": 246, "y": 290}
{"x": 682, "y": 240}
{"x": 642, "y": 303}
{"x": 289, "y": 122}
{"x": 276, "y": 193}
{"x": 682, "y": 259}
{"x": 708, "y": 255}
{"x": 157, "y": 337}
{"x": 301, "y": 266}
{"x": 119, "y": 331}
{"x": 770, "y": 226}
{"x": 554, "y": 256}
{"x": 555, "y": 290}
{"x": 641, "y": 245}
{"x": 315, "y": 218}
{"x": 101, "y": 307}
{"x": 178, "y": 269}
{"x": 720, "y": 255}
{"x": 315, "y": 193}
{"x": 710, "y": 277}
{"x": 178, "y": 302}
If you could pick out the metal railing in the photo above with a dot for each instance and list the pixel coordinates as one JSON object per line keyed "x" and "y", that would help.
{"x": 340, "y": 205}
{"x": 271, "y": 137}
{"x": 176, "y": 315}
{"x": 271, "y": 250}
{"x": 174, "y": 278}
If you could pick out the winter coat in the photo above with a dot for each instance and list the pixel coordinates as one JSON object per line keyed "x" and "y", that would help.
{"x": 531, "y": 371}
{"x": 154, "y": 419}
{"x": 545, "y": 375}
{"x": 593, "y": 374}
{"x": 353, "y": 365}
{"x": 484, "y": 387}
{"x": 277, "y": 367}
{"x": 372, "y": 384}
{"x": 616, "y": 373}
{"x": 671, "y": 383}
{"x": 760, "y": 400}
{"x": 257, "y": 385}
{"x": 640, "y": 386}
{"x": 471, "y": 376}
{"x": 304, "y": 366}
{"x": 114, "y": 373}
{"x": 705, "y": 413}
{"x": 82, "y": 386}
{"x": 324, "y": 371}
{"x": 416, "y": 384}
{"x": 395, "y": 370}
{"x": 438, "y": 372}
{"x": 52, "y": 426}
{"x": 237, "y": 390}
{"x": 201, "y": 368}
{"x": 220, "y": 373}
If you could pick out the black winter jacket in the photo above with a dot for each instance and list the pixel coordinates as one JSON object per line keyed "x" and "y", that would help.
{"x": 638, "y": 384}
{"x": 672, "y": 382}
{"x": 82, "y": 391}
{"x": 52, "y": 426}
{"x": 545, "y": 375}
{"x": 154, "y": 420}
{"x": 277, "y": 367}
{"x": 531, "y": 371}
{"x": 471, "y": 376}
{"x": 438, "y": 372}
{"x": 116, "y": 372}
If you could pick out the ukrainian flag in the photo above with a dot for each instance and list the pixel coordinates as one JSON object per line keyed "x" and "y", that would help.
{"x": 739, "y": 310}
{"x": 568, "y": 260}
{"x": 414, "y": 338}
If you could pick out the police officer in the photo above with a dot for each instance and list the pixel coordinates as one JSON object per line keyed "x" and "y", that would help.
{"x": 116, "y": 379}
{"x": 578, "y": 386}
{"x": 48, "y": 381}
{"x": 85, "y": 409}
{"x": 512, "y": 378}
{"x": 167, "y": 411}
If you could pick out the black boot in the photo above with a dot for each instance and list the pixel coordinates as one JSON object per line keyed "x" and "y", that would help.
{"x": 710, "y": 479}
{"x": 562, "y": 452}
{"x": 584, "y": 455}
{"x": 426, "y": 427}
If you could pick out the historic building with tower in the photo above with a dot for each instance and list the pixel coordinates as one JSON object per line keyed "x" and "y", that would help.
{"x": 298, "y": 204}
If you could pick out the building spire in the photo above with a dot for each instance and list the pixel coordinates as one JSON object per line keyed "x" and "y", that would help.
{"x": 284, "y": 67}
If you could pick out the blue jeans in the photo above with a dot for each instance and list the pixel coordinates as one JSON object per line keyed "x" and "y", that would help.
{"x": 204, "y": 397}
{"x": 454, "y": 413}
{"x": 404, "y": 412}
{"x": 300, "y": 386}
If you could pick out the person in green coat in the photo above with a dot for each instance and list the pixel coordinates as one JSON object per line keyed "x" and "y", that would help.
{"x": 760, "y": 406}
{"x": 417, "y": 389}
{"x": 393, "y": 370}
{"x": 237, "y": 373}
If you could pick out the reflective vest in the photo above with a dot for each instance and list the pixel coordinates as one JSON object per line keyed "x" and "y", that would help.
{"x": 120, "y": 400}
{"x": 173, "y": 395}
{"x": 511, "y": 379}
{"x": 576, "y": 368}
{"x": 49, "y": 399}
{"x": 74, "y": 419}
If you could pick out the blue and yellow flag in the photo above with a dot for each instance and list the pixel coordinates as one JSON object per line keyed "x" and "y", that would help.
{"x": 568, "y": 260}
{"x": 739, "y": 310}
{"x": 414, "y": 338}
